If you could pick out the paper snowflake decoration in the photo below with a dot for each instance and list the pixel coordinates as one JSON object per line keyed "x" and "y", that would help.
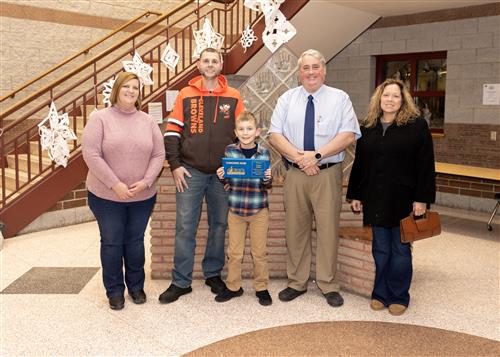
{"x": 139, "y": 68}
{"x": 252, "y": 4}
{"x": 170, "y": 58}
{"x": 54, "y": 139}
{"x": 270, "y": 7}
{"x": 207, "y": 38}
{"x": 108, "y": 87}
{"x": 278, "y": 31}
{"x": 247, "y": 38}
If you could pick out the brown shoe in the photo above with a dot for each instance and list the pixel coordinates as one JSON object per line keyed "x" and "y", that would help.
{"x": 397, "y": 309}
{"x": 376, "y": 305}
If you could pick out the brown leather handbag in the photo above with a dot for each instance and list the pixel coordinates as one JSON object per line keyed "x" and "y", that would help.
{"x": 415, "y": 229}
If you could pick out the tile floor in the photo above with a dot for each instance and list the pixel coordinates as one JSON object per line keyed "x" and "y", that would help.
{"x": 455, "y": 287}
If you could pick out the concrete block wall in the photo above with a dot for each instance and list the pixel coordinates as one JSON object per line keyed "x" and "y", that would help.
{"x": 38, "y": 34}
{"x": 473, "y": 59}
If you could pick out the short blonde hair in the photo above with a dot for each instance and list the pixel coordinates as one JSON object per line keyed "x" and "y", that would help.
{"x": 122, "y": 78}
{"x": 248, "y": 116}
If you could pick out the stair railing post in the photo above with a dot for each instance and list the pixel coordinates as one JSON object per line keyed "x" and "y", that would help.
{"x": 2, "y": 225}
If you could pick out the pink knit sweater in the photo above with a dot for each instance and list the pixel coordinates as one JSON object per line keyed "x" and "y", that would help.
{"x": 122, "y": 146}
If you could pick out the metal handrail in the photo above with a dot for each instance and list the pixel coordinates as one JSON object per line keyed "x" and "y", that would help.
{"x": 84, "y": 51}
{"x": 87, "y": 64}
{"x": 19, "y": 143}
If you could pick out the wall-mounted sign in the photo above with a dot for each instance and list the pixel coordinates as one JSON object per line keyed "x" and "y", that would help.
{"x": 155, "y": 110}
{"x": 491, "y": 94}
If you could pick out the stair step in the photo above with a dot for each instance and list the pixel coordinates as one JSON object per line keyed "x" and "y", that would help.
{"x": 22, "y": 160}
{"x": 45, "y": 154}
{"x": 10, "y": 178}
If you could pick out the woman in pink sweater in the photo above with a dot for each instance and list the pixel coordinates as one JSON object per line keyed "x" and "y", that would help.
{"x": 124, "y": 151}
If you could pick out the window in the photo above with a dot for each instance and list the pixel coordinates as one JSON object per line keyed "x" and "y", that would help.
{"x": 425, "y": 76}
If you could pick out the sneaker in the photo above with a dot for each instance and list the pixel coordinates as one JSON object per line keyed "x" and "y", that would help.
{"x": 116, "y": 303}
{"x": 264, "y": 297}
{"x": 138, "y": 297}
{"x": 376, "y": 305}
{"x": 216, "y": 284}
{"x": 173, "y": 293}
{"x": 227, "y": 295}
{"x": 397, "y": 309}
{"x": 333, "y": 298}
{"x": 289, "y": 294}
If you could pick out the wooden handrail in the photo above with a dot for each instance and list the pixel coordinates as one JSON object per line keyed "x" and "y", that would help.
{"x": 20, "y": 143}
{"x": 84, "y": 51}
{"x": 86, "y": 64}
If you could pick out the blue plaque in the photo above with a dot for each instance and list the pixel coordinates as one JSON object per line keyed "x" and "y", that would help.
{"x": 244, "y": 168}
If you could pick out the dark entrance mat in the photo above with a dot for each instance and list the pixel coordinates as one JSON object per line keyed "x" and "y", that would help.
{"x": 51, "y": 280}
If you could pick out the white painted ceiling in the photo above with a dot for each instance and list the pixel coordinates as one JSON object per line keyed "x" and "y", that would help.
{"x": 330, "y": 25}
{"x": 404, "y": 7}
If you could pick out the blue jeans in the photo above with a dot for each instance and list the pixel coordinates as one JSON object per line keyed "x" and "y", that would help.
{"x": 122, "y": 226}
{"x": 393, "y": 266}
{"x": 189, "y": 202}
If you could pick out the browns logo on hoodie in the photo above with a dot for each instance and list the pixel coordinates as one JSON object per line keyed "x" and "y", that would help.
{"x": 201, "y": 125}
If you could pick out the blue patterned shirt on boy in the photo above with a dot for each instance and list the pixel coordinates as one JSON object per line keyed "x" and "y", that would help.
{"x": 247, "y": 196}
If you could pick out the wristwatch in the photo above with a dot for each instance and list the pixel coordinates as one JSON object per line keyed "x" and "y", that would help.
{"x": 317, "y": 156}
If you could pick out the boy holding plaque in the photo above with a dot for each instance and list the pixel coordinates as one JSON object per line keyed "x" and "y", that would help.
{"x": 248, "y": 207}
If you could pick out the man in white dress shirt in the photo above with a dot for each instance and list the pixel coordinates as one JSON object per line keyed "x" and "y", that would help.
{"x": 311, "y": 126}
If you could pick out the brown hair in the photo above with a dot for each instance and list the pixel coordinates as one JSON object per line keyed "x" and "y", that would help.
{"x": 407, "y": 113}
{"x": 211, "y": 50}
{"x": 248, "y": 116}
{"x": 122, "y": 78}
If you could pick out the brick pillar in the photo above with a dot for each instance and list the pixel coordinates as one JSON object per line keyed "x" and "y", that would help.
{"x": 355, "y": 264}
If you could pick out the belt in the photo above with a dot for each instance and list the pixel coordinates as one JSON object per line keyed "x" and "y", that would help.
{"x": 321, "y": 167}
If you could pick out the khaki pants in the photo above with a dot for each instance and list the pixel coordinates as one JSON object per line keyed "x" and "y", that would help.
{"x": 305, "y": 196}
{"x": 237, "y": 227}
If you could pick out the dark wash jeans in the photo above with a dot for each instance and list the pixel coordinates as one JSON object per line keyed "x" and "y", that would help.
{"x": 393, "y": 266}
{"x": 122, "y": 226}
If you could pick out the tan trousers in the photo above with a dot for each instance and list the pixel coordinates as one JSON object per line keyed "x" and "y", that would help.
{"x": 305, "y": 196}
{"x": 237, "y": 227}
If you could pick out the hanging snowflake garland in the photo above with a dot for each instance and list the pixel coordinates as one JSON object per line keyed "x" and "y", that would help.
{"x": 278, "y": 29}
{"x": 54, "y": 139}
{"x": 170, "y": 58}
{"x": 207, "y": 38}
{"x": 247, "y": 38}
{"x": 108, "y": 87}
{"x": 141, "y": 69}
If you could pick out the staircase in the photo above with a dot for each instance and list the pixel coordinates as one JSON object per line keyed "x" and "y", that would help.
{"x": 30, "y": 183}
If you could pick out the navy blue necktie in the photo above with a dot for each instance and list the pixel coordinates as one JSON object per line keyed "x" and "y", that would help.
{"x": 309, "y": 125}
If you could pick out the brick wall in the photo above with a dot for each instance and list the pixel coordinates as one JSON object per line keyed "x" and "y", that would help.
{"x": 75, "y": 198}
{"x": 355, "y": 264}
{"x": 467, "y": 186}
{"x": 467, "y": 144}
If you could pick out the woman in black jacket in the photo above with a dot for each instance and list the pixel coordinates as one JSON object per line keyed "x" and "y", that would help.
{"x": 392, "y": 176}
